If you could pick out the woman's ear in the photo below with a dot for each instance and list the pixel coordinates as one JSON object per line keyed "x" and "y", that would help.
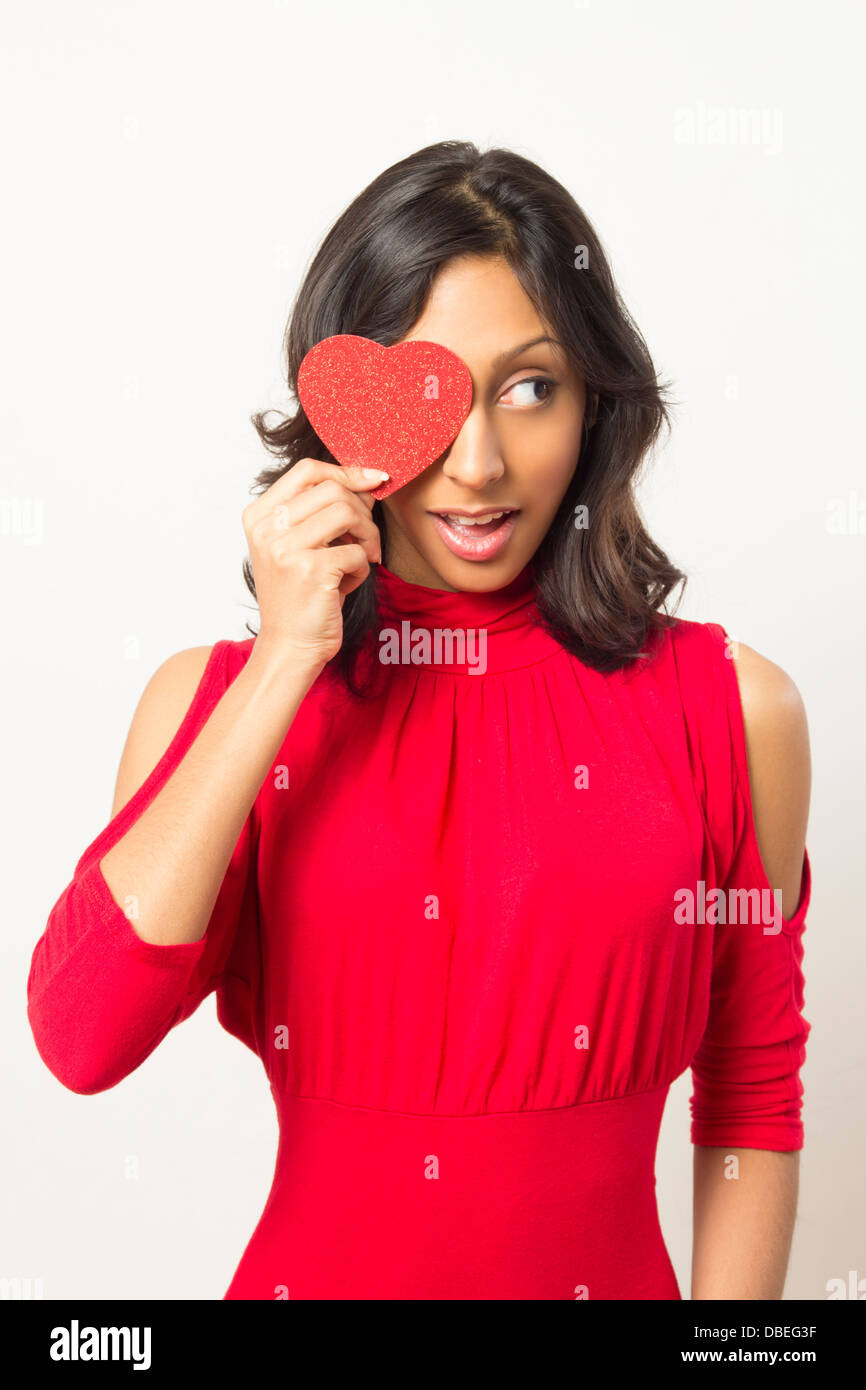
{"x": 591, "y": 411}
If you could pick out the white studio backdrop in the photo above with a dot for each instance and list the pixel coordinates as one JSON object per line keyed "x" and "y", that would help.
{"x": 170, "y": 170}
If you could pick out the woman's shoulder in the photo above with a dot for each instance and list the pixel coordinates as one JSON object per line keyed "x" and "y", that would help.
{"x": 708, "y": 651}
{"x": 176, "y": 681}
{"x": 180, "y": 691}
{"x": 718, "y": 669}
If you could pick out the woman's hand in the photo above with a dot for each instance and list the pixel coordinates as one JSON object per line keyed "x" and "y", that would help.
{"x": 311, "y": 540}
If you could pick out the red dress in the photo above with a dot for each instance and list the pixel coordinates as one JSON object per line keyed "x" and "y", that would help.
{"x": 455, "y": 929}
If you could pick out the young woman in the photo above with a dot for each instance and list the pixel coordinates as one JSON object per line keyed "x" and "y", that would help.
{"x": 473, "y": 922}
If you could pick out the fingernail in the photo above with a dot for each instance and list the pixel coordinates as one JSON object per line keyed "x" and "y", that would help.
{"x": 374, "y": 473}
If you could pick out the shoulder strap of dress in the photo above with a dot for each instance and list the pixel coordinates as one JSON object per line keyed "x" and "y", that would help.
{"x": 225, "y": 660}
{"x": 717, "y": 733}
{"x": 706, "y": 682}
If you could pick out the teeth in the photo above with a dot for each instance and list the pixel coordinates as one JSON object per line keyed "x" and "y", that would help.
{"x": 473, "y": 520}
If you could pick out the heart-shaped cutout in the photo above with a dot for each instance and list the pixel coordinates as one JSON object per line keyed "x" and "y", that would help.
{"x": 396, "y": 408}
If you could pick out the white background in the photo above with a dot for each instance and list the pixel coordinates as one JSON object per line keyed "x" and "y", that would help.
{"x": 169, "y": 170}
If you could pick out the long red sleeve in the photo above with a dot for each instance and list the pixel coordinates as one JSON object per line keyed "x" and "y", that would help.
{"x": 99, "y": 998}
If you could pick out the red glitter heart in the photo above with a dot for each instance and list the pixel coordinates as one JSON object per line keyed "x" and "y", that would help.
{"x": 396, "y": 408}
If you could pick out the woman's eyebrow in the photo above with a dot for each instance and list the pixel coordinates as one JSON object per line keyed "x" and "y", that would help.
{"x": 522, "y": 347}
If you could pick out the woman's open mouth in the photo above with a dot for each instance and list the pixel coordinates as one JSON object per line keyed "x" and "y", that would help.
{"x": 476, "y": 537}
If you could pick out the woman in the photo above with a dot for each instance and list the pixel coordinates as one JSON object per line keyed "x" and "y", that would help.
{"x": 473, "y": 922}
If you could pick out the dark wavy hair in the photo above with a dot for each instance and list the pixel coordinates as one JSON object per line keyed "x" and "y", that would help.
{"x": 600, "y": 590}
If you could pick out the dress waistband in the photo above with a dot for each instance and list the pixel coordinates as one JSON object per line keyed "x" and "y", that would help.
{"x": 634, "y": 1117}
{"x": 531, "y": 1204}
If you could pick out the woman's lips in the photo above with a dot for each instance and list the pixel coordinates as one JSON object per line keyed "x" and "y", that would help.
{"x": 476, "y": 542}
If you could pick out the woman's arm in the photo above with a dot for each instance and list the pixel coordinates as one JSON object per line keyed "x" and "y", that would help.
{"x": 109, "y": 977}
{"x": 146, "y": 927}
{"x": 744, "y": 1210}
{"x": 172, "y": 861}
{"x": 743, "y": 1222}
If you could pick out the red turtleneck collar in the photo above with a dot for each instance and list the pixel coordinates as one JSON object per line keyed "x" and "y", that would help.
{"x": 459, "y": 631}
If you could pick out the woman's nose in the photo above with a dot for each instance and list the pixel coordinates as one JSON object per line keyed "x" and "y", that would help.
{"x": 473, "y": 460}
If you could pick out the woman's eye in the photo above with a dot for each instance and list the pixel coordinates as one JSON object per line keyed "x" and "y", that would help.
{"x": 524, "y": 392}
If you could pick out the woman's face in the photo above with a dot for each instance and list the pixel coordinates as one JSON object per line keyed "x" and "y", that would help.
{"x": 517, "y": 450}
